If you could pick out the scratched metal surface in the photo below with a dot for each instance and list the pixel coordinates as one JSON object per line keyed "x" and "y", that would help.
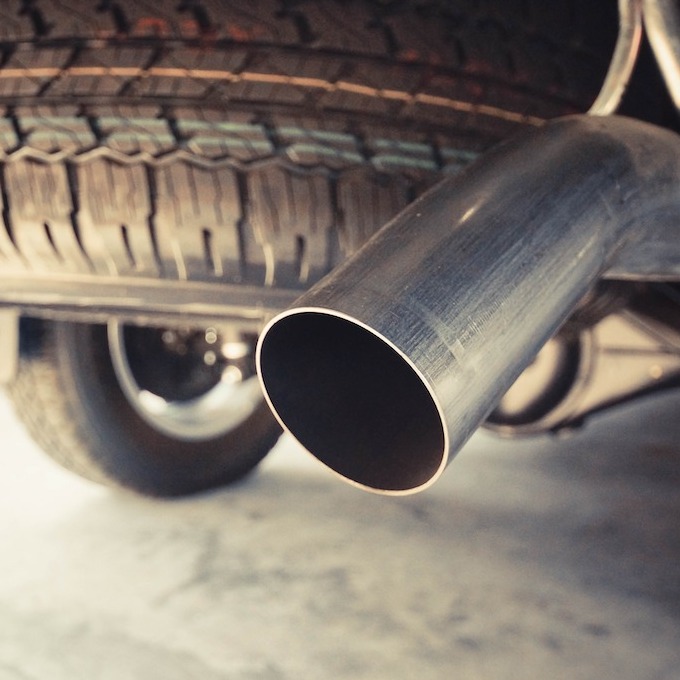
{"x": 537, "y": 559}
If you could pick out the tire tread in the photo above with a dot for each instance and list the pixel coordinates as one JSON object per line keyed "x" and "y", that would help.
{"x": 210, "y": 139}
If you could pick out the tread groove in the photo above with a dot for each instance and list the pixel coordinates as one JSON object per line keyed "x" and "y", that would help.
{"x": 95, "y": 128}
{"x": 73, "y": 185}
{"x": 391, "y": 43}
{"x": 128, "y": 246}
{"x": 242, "y": 225}
{"x": 118, "y": 16}
{"x": 304, "y": 31}
{"x": 212, "y": 261}
{"x": 199, "y": 15}
{"x": 17, "y": 129}
{"x": 53, "y": 244}
{"x": 6, "y": 210}
{"x": 41, "y": 27}
{"x": 151, "y": 221}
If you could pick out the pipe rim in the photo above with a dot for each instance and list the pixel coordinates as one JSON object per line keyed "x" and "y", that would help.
{"x": 323, "y": 311}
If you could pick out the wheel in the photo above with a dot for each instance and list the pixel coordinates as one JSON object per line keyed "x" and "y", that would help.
{"x": 244, "y": 147}
{"x": 160, "y": 411}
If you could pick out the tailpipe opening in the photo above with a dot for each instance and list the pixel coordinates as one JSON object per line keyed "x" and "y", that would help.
{"x": 353, "y": 400}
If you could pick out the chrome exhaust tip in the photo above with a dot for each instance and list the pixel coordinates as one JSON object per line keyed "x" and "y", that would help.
{"x": 386, "y": 367}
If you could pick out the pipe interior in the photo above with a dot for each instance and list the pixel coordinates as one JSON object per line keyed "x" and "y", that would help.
{"x": 353, "y": 401}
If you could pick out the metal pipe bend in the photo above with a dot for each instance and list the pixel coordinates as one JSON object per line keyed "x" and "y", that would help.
{"x": 386, "y": 367}
{"x": 662, "y": 24}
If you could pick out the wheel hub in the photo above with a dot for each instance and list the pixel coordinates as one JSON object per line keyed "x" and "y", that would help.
{"x": 189, "y": 383}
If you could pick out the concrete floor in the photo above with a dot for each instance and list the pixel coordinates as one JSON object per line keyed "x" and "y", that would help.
{"x": 542, "y": 559}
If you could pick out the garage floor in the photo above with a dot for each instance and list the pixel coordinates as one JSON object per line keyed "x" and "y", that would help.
{"x": 538, "y": 559}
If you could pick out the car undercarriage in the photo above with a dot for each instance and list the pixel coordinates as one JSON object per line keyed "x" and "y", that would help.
{"x": 175, "y": 176}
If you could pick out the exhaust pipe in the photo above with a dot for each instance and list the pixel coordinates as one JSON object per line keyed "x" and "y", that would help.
{"x": 386, "y": 367}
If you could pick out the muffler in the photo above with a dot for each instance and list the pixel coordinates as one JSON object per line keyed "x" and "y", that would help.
{"x": 386, "y": 367}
